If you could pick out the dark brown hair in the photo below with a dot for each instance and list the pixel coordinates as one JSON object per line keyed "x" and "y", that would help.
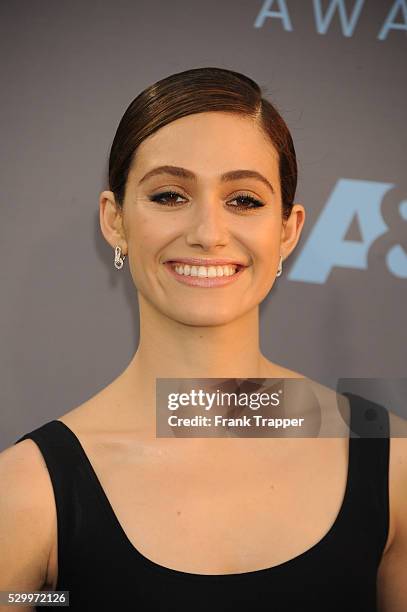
{"x": 195, "y": 91}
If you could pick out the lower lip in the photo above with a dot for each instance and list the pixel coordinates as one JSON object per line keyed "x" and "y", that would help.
{"x": 204, "y": 281}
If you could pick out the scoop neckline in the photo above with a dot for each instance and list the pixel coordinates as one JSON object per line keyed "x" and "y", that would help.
{"x": 172, "y": 572}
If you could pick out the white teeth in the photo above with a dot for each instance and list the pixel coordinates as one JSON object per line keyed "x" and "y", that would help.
{"x": 205, "y": 271}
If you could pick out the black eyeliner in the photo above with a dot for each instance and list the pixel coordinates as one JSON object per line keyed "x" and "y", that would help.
{"x": 256, "y": 203}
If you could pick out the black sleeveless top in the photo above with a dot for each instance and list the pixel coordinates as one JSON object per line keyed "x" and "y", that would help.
{"x": 102, "y": 570}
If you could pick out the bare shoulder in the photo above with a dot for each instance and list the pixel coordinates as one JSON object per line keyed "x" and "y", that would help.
{"x": 398, "y": 471}
{"x": 392, "y": 573}
{"x": 326, "y": 396}
{"x": 274, "y": 370}
{"x": 27, "y": 517}
{"x": 25, "y": 476}
{"x": 100, "y": 412}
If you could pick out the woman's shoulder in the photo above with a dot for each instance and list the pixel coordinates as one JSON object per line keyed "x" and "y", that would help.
{"x": 85, "y": 416}
{"x": 28, "y": 502}
{"x": 275, "y": 370}
{"x": 327, "y": 398}
{"x": 398, "y": 472}
{"x": 97, "y": 413}
{"x": 391, "y": 574}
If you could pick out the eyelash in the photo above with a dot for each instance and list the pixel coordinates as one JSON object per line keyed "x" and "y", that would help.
{"x": 256, "y": 203}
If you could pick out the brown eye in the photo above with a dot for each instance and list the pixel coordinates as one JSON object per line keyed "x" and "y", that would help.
{"x": 252, "y": 202}
{"x": 245, "y": 201}
{"x": 166, "y": 195}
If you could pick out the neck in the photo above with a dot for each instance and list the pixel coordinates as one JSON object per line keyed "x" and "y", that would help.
{"x": 170, "y": 349}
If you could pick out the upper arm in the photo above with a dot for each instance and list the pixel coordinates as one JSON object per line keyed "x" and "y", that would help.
{"x": 27, "y": 512}
{"x": 392, "y": 574}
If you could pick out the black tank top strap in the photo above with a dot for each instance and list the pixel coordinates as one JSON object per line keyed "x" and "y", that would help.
{"x": 369, "y": 449}
{"x": 368, "y": 419}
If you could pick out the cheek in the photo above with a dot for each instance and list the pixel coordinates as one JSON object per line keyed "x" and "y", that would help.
{"x": 148, "y": 234}
{"x": 265, "y": 241}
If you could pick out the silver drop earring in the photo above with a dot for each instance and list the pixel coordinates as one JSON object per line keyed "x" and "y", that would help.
{"x": 280, "y": 266}
{"x": 118, "y": 258}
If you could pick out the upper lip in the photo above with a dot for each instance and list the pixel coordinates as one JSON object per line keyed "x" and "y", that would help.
{"x": 205, "y": 262}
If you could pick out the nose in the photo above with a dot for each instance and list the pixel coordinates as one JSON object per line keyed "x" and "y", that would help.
{"x": 207, "y": 225}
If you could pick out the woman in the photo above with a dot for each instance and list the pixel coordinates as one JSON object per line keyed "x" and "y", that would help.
{"x": 202, "y": 180}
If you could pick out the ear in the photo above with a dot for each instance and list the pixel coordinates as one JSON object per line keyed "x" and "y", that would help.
{"x": 111, "y": 221}
{"x": 291, "y": 230}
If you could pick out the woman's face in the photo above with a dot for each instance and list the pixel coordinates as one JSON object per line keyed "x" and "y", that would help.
{"x": 205, "y": 217}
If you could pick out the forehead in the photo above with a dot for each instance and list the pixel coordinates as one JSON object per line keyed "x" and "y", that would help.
{"x": 213, "y": 141}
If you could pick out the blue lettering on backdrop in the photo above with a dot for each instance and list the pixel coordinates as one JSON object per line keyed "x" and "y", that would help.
{"x": 396, "y": 258}
{"x": 322, "y": 22}
{"x": 390, "y": 24}
{"x": 281, "y": 14}
{"x": 351, "y": 201}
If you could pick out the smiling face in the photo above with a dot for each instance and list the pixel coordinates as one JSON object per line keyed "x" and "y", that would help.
{"x": 212, "y": 212}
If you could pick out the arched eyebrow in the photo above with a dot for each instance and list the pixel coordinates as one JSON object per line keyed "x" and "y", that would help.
{"x": 232, "y": 175}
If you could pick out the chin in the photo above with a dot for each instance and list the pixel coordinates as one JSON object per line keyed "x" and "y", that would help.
{"x": 200, "y": 318}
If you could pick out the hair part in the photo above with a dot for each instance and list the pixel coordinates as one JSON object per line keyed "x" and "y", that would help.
{"x": 195, "y": 91}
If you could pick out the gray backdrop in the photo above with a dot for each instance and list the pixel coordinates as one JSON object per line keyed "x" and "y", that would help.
{"x": 335, "y": 70}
